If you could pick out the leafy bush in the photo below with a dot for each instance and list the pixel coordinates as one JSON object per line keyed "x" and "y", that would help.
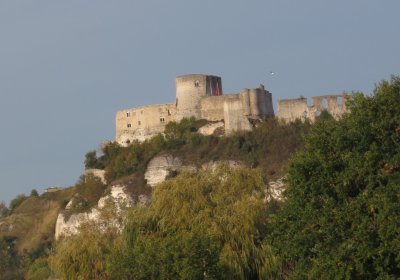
{"x": 270, "y": 145}
{"x": 34, "y": 192}
{"x": 83, "y": 256}
{"x": 39, "y": 269}
{"x": 4, "y": 211}
{"x": 340, "y": 217}
{"x": 88, "y": 192}
{"x": 9, "y": 263}
{"x": 199, "y": 226}
{"x": 17, "y": 201}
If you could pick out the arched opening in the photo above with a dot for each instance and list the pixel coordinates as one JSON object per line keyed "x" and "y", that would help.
{"x": 324, "y": 103}
{"x": 339, "y": 100}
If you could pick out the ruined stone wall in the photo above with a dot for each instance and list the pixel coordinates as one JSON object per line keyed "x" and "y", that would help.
{"x": 212, "y": 107}
{"x": 190, "y": 89}
{"x": 198, "y": 96}
{"x": 234, "y": 118}
{"x": 257, "y": 102}
{"x": 143, "y": 122}
{"x": 291, "y": 109}
{"x": 334, "y": 104}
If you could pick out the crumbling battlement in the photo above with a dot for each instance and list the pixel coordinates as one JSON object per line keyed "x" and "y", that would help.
{"x": 199, "y": 96}
{"x": 291, "y": 109}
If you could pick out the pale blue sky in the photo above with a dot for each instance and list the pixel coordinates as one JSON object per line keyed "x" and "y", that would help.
{"x": 66, "y": 67}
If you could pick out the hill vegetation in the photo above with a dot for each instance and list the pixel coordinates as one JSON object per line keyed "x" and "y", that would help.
{"x": 338, "y": 218}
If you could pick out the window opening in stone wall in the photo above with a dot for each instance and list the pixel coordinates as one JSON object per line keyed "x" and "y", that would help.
{"x": 169, "y": 113}
{"x": 339, "y": 100}
{"x": 324, "y": 103}
{"x": 128, "y": 114}
{"x": 129, "y": 125}
{"x": 196, "y": 83}
{"x": 162, "y": 119}
{"x": 138, "y": 122}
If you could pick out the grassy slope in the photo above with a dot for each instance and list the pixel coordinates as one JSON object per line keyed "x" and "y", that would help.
{"x": 269, "y": 147}
{"x": 33, "y": 222}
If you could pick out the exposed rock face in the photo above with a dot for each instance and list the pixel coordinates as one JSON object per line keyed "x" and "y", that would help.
{"x": 274, "y": 190}
{"x": 118, "y": 196}
{"x": 71, "y": 226}
{"x": 209, "y": 129}
{"x": 159, "y": 168}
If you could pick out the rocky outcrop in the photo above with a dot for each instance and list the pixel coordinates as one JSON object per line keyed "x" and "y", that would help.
{"x": 118, "y": 197}
{"x": 275, "y": 189}
{"x": 160, "y": 167}
{"x": 211, "y": 128}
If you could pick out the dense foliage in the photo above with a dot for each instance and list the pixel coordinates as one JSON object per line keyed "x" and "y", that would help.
{"x": 17, "y": 201}
{"x": 88, "y": 191}
{"x": 269, "y": 146}
{"x": 207, "y": 225}
{"x": 341, "y": 215}
{"x": 9, "y": 263}
{"x": 339, "y": 218}
{"x": 3, "y": 210}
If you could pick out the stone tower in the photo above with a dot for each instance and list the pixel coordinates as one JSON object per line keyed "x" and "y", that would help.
{"x": 190, "y": 89}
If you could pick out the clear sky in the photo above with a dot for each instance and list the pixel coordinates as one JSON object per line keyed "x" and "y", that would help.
{"x": 66, "y": 67}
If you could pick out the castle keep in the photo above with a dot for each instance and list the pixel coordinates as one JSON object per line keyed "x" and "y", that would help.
{"x": 201, "y": 96}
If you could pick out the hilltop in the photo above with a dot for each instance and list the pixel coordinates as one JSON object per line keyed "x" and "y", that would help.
{"x": 183, "y": 205}
{"x": 31, "y": 225}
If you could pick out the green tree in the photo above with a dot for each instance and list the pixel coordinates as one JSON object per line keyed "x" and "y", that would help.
{"x": 83, "y": 256}
{"x": 34, "y": 192}
{"x": 91, "y": 159}
{"x": 9, "y": 263}
{"x": 39, "y": 269}
{"x": 17, "y": 201}
{"x": 340, "y": 218}
{"x": 199, "y": 226}
{"x": 3, "y": 210}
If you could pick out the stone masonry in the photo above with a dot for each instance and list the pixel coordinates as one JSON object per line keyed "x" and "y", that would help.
{"x": 201, "y": 96}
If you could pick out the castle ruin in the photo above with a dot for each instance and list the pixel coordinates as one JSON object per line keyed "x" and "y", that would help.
{"x": 201, "y": 96}
{"x": 291, "y": 109}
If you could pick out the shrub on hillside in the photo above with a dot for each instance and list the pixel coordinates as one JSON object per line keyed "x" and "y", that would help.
{"x": 4, "y": 211}
{"x": 199, "y": 226}
{"x": 17, "y": 201}
{"x": 88, "y": 192}
{"x": 340, "y": 216}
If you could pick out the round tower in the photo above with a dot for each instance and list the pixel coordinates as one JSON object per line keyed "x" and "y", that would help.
{"x": 189, "y": 91}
